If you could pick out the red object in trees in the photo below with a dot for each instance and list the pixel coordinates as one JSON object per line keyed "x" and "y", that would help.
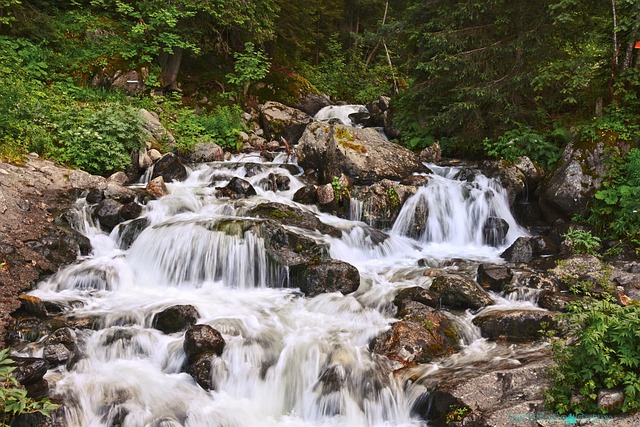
{"x": 637, "y": 46}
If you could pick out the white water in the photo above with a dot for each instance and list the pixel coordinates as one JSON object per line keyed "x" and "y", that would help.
{"x": 340, "y": 112}
{"x": 281, "y": 347}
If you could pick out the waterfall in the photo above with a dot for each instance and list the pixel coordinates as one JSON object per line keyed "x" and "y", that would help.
{"x": 289, "y": 360}
{"x": 340, "y": 112}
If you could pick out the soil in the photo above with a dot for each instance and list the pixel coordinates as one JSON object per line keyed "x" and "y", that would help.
{"x": 34, "y": 243}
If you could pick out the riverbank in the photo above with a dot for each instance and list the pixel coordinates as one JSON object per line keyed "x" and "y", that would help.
{"x": 32, "y": 243}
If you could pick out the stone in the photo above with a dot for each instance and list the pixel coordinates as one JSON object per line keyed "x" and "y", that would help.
{"x": 176, "y": 318}
{"x": 306, "y": 195}
{"x": 202, "y": 339}
{"x": 205, "y": 151}
{"x": 29, "y": 370}
{"x": 517, "y": 325}
{"x": 380, "y": 203}
{"x": 520, "y": 251}
{"x": 294, "y": 217}
{"x": 494, "y": 277}
{"x": 459, "y": 292}
{"x": 119, "y": 178}
{"x": 94, "y": 196}
{"x": 61, "y": 347}
{"x": 129, "y": 231}
{"x": 237, "y": 188}
{"x": 311, "y": 103}
{"x": 157, "y": 187}
{"x": 154, "y": 155}
{"x": 610, "y": 400}
{"x": 107, "y": 213}
{"x": 169, "y": 167}
{"x": 494, "y": 231}
{"x": 415, "y": 294}
{"x": 131, "y": 210}
{"x": 325, "y": 277}
{"x": 363, "y": 155}
{"x": 155, "y": 132}
{"x": 119, "y": 193}
{"x": 280, "y": 121}
{"x": 431, "y": 154}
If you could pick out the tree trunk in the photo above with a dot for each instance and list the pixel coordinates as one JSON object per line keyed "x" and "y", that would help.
{"x": 170, "y": 66}
{"x": 628, "y": 56}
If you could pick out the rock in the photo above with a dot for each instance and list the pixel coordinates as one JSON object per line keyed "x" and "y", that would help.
{"x": 494, "y": 277}
{"x": 129, "y": 231}
{"x": 119, "y": 193}
{"x": 415, "y": 294}
{"x": 278, "y": 121}
{"x": 107, "y": 213}
{"x": 60, "y": 347}
{"x": 494, "y": 231}
{"x": 520, "y": 179}
{"x": 329, "y": 276}
{"x": 130, "y": 211}
{"x": 306, "y": 195}
{"x": 237, "y": 188}
{"x": 311, "y": 103}
{"x": 29, "y": 370}
{"x": 610, "y": 400}
{"x": 554, "y": 301}
{"x": 94, "y": 196}
{"x": 156, "y": 134}
{"x": 424, "y": 335}
{"x": 458, "y": 292}
{"x": 154, "y": 155}
{"x": 157, "y": 187}
{"x": 521, "y": 251}
{"x": 201, "y": 339}
{"x": 431, "y": 154}
{"x": 205, "y": 151}
{"x": 580, "y": 173}
{"x": 294, "y": 217}
{"x": 516, "y": 325}
{"x": 119, "y": 178}
{"x": 543, "y": 246}
{"x": 176, "y": 318}
{"x": 363, "y": 155}
{"x": 170, "y": 168}
{"x": 325, "y": 195}
{"x": 57, "y": 354}
{"x": 144, "y": 160}
{"x": 275, "y": 182}
{"x": 380, "y": 203}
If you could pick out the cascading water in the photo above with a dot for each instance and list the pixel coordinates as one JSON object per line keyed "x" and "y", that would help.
{"x": 289, "y": 360}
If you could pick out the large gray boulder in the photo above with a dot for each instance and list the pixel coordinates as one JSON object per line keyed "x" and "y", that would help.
{"x": 459, "y": 292}
{"x": 381, "y": 202}
{"x": 156, "y": 135}
{"x": 515, "y": 325}
{"x": 363, "y": 155}
{"x": 278, "y": 120}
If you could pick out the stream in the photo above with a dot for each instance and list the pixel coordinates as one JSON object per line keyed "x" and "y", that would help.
{"x": 281, "y": 346}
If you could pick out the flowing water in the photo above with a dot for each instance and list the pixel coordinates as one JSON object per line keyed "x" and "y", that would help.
{"x": 281, "y": 347}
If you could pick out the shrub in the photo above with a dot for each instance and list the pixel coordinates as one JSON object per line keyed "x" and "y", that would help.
{"x": 13, "y": 397}
{"x": 582, "y": 241}
{"x": 603, "y": 355}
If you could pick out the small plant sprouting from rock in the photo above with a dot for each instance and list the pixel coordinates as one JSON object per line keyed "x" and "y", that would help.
{"x": 339, "y": 190}
{"x": 392, "y": 197}
{"x": 13, "y": 398}
{"x": 457, "y": 413}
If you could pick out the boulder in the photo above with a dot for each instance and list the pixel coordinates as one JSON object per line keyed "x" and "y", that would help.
{"x": 459, "y": 292}
{"x": 311, "y": 103}
{"x": 414, "y": 294}
{"x": 516, "y": 325}
{"x": 119, "y": 178}
{"x": 118, "y": 192}
{"x": 330, "y": 276}
{"x": 129, "y": 231}
{"x": 554, "y": 301}
{"x": 363, "y": 155}
{"x": 423, "y": 335}
{"x": 205, "y": 369}
{"x": 170, "y": 168}
{"x": 201, "y": 339}
{"x": 107, "y": 213}
{"x": 157, "y": 187}
{"x": 176, "y": 318}
{"x": 494, "y": 231}
{"x": 494, "y": 277}
{"x": 205, "y": 151}
{"x": 129, "y": 211}
{"x": 431, "y": 154}
{"x": 278, "y": 121}
{"x": 293, "y": 216}
{"x": 237, "y": 188}
{"x": 380, "y": 203}
{"x": 519, "y": 179}
{"x": 520, "y": 251}
{"x": 61, "y": 347}
{"x": 29, "y": 370}
{"x": 155, "y": 134}
{"x": 94, "y": 196}
{"x": 306, "y": 195}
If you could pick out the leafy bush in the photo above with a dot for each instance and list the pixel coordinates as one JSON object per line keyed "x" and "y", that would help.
{"x": 603, "y": 355}
{"x": 97, "y": 141}
{"x": 13, "y": 397}
{"x": 250, "y": 66}
{"x": 582, "y": 241}
{"x": 524, "y": 141}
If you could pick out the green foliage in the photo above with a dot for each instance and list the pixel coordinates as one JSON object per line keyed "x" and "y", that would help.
{"x": 250, "y": 66}
{"x": 99, "y": 141}
{"x": 582, "y": 241}
{"x": 524, "y": 141}
{"x": 603, "y": 354}
{"x": 13, "y": 397}
{"x": 457, "y": 413}
{"x": 392, "y": 197}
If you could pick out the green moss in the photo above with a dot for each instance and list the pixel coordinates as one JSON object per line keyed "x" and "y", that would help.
{"x": 346, "y": 139}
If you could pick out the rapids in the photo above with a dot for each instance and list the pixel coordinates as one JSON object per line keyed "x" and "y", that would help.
{"x": 289, "y": 360}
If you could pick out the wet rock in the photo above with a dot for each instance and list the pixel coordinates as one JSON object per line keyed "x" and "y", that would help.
{"x": 293, "y": 216}
{"x": 120, "y": 178}
{"x": 415, "y": 294}
{"x": 363, "y": 155}
{"x": 306, "y": 195}
{"x": 119, "y": 193}
{"x": 202, "y": 339}
{"x": 95, "y": 195}
{"x": 311, "y": 103}
{"x": 170, "y": 168}
{"x": 514, "y": 325}
{"x": 129, "y": 231}
{"x": 554, "y": 301}
{"x": 275, "y": 182}
{"x": 61, "y": 246}
{"x": 494, "y": 231}
{"x": 541, "y": 281}
{"x": 36, "y": 419}
{"x": 205, "y": 151}
{"x": 205, "y": 370}
{"x": 129, "y": 211}
{"x": 543, "y": 246}
{"x": 521, "y": 251}
{"x": 431, "y": 154}
{"x": 29, "y": 370}
{"x": 329, "y": 276}
{"x": 61, "y": 347}
{"x": 420, "y": 337}
{"x": 459, "y": 292}
{"x": 108, "y": 214}
{"x": 278, "y": 121}
{"x": 325, "y": 196}
{"x": 494, "y": 277}
{"x": 176, "y": 318}
{"x": 610, "y": 400}
{"x": 381, "y": 202}
{"x": 237, "y": 188}
{"x": 157, "y": 187}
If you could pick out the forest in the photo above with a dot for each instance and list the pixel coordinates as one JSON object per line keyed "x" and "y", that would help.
{"x": 491, "y": 79}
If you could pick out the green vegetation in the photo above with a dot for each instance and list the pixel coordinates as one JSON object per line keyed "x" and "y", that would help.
{"x": 582, "y": 241}
{"x": 603, "y": 355}
{"x": 13, "y": 397}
